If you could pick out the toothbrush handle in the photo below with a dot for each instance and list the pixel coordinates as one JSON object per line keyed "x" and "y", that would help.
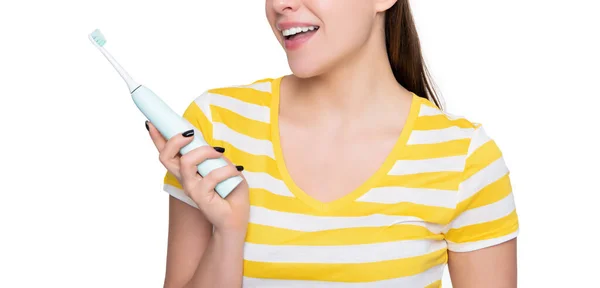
{"x": 170, "y": 124}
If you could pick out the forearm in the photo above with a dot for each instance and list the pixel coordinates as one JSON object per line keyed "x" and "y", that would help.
{"x": 222, "y": 262}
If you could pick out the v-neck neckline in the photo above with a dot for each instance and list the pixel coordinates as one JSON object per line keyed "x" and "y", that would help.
{"x": 357, "y": 192}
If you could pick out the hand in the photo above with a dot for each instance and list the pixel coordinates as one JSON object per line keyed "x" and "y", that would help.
{"x": 230, "y": 214}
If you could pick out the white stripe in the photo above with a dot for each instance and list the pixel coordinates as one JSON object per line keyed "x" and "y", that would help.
{"x": 363, "y": 253}
{"x": 248, "y": 110}
{"x": 485, "y": 213}
{"x": 265, "y": 181}
{"x": 477, "y": 140}
{"x": 408, "y": 167}
{"x": 438, "y": 135}
{"x": 179, "y": 194}
{"x": 203, "y": 102}
{"x": 475, "y": 245}
{"x": 426, "y": 110}
{"x": 394, "y": 195}
{"x": 243, "y": 142}
{"x": 264, "y": 86}
{"x": 482, "y": 178}
{"x": 419, "y": 280}
{"x": 310, "y": 223}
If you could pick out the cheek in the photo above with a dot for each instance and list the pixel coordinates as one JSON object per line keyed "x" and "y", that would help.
{"x": 346, "y": 21}
{"x": 347, "y": 27}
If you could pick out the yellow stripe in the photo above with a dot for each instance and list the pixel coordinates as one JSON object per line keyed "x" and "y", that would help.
{"x": 248, "y": 95}
{"x": 437, "y": 150}
{"x": 432, "y": 180}
{"x": 361, "y": 272}
{"x": 491, "y": 193}
{"x": 481, "y": 158}
{"x": 485, "y": 231}
{"x": 436, "y": 284}
{"x": 197, "y": 118}
{"x": 434, "y": 122}
{"x": 251, "y": 162}
{"x": 261, "y": 234}
{"x": 268, "y": 200}
{"x": 171, "y": 180}
{"x": 427, "y": 102}
{"x": 249, "y": 127}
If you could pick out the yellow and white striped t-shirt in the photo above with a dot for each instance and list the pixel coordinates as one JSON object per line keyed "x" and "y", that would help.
{"x": 443, "y": 187}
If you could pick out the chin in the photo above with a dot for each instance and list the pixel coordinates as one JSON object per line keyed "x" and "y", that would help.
{"x": 304, "y": 71}
{"x": 302, "y": 67}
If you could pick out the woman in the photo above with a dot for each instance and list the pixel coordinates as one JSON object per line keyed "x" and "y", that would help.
{"x": 354, "y": 176}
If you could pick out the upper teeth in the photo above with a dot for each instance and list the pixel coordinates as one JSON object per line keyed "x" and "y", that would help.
{"x": 296, "y": 30}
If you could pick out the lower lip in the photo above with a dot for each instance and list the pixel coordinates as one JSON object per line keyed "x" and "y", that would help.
{"x": 298, "y": 41}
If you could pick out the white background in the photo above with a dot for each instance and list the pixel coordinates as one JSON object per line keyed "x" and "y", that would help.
{"x": 81, "y": 201}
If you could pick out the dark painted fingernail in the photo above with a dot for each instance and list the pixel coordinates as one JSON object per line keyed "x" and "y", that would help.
{"x": 188, "y": 133}
{"x": 219, "y": 149}
{"x": 147, "y": 128}
{"x": 240, "y": 168}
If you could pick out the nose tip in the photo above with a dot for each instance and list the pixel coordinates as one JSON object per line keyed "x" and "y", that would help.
{"x": 283, "y": 6}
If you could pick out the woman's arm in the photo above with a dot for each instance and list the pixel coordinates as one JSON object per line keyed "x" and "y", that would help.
{"x": 222, "y": 263}
{"x": 195, "y": 256}
{"x": 189, "y": 234}
{"x": 492, "y": 267}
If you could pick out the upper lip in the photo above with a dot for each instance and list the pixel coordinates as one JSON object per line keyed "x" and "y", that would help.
{"x": 287, "y": 25}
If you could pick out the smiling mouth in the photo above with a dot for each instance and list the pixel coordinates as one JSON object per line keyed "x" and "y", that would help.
{"x": 289, "y": 34}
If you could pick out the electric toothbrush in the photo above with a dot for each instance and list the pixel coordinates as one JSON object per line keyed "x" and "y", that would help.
{"x": 165, "y": 119}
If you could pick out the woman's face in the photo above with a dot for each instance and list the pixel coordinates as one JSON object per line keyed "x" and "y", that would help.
{"x": 317, "y": 34}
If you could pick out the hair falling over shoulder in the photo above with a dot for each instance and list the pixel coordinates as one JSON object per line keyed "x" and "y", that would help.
{"x": 404, "y": 52}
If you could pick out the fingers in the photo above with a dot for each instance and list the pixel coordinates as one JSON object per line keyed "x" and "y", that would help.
{"x": 157, "y": 138}
{"x": 171, "y": 149}
{"x": 190, "y": 161}
{"x": 216, "y": 176}
{"x": 238, "y": 167}
{"x": 202, "y": 188}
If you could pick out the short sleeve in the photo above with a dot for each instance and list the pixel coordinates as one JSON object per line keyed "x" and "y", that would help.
{"x": 198, "y": 116}
{"x": 485, "y": 212}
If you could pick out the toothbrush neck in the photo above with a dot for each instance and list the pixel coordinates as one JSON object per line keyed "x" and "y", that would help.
{"x": 133, "y": 90}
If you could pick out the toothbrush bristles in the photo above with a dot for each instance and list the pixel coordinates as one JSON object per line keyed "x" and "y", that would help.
{"x": 98, "y": 37}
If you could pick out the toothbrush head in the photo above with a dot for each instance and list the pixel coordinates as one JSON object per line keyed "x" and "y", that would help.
{"x": 97, "y": 38}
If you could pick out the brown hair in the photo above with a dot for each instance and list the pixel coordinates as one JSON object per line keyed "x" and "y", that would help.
{"x": 404, "y": 52}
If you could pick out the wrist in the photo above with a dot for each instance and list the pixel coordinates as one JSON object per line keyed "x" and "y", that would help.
{"x": 230, "y": 235}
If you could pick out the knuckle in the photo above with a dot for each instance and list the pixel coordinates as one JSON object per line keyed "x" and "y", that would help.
{"x": 162, "y": 158}
{"x": 209, "y": 182}
{"x": 171, "y": 144}
{"x": 186, "y": 163}
{"x": 184, "y": 159}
